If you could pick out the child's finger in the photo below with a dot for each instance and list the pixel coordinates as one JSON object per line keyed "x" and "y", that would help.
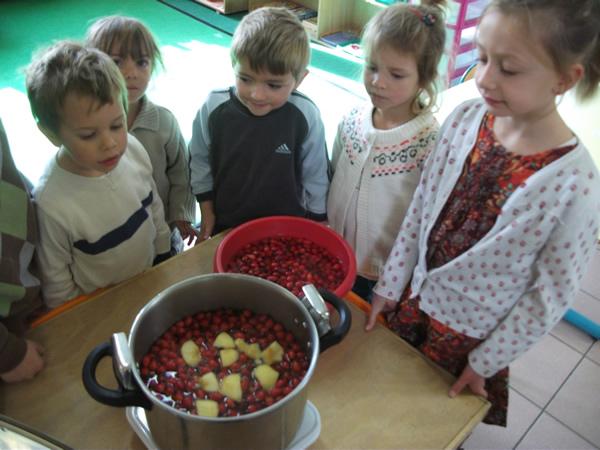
{"x": 371, "y": 321}
{"x": 478, "y": 390}
{"x": 457, "y": 387}
{"x": 372, "y": 318}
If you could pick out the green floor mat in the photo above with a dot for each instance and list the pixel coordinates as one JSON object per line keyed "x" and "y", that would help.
{"x": 223, "y": 23}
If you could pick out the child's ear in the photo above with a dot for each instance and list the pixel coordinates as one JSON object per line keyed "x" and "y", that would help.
{"x": 51, "y": 135}
{"x": 569, "y": 79}
{"x": 300, "y": 79}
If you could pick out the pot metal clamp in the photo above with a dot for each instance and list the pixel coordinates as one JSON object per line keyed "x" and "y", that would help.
{"x": 317, "y": 308}
{"x": 123, "y": 361}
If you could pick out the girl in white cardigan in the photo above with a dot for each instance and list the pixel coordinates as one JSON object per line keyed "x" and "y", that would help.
{"x": 380, "y": 147}
{"x": 502, "y": 225}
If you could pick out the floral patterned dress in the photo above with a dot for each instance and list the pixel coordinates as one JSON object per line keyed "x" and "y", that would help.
{"x": 489, "y": 176}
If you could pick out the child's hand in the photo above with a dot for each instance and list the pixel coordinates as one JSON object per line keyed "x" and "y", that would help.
{"x": 187, "y": 231}
{"x": 29, "y": 367}
{"x": 207, "y": 224}
{"x": 470, "y": 378}
{"x": 378, "y": 304}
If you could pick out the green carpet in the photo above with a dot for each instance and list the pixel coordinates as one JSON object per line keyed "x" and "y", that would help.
{"x": 225, "y": 23}
{"x": 28, "y": 25}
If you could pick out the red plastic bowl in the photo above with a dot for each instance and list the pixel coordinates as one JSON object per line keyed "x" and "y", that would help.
{"x": 290, "y": 226}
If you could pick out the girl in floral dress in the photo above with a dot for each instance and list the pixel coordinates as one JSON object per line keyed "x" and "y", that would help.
{"x": 497, "y": 237}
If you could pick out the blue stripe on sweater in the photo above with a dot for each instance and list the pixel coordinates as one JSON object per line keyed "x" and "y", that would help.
{"x": 119, "y": 235}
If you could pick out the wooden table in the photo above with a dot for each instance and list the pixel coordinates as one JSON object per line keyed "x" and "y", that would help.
{"x": 372, "y": 391}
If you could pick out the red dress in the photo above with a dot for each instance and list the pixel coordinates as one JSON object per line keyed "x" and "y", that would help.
{"x": 489, "y": 176}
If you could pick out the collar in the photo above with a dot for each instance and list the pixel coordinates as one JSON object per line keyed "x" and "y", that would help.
{"x": 148, "y": 116}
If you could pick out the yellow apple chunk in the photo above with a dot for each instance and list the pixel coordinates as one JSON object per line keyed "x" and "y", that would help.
{"x": 190, "y": 353}
{"x": 228, "y": 356}
{"x": 224, "y": 340}
{"x": 266, "y": 376}
{"x": 209, "y": 382}
{"x": 273, "y": 353}
{"x": 207, "y": 408}
{"x": 252, "y": 350}
{"x": 231, "y": 386}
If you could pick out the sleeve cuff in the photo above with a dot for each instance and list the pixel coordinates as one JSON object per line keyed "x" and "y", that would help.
{"x": 316, "y": 217}
{"x": 205, "y": 196}
{"x": 12, "y": 351}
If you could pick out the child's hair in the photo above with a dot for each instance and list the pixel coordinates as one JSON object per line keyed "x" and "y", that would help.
{"x": 415, "y": 29}
{"x": 133, "y": 37}
{"x": 68, "y": 67}
{"x": 272, "y": 39}
{"x": 569, "y": 30}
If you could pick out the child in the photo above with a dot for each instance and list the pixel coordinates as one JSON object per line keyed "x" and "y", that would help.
{"x": 101, "y": 219}
{"x": 380, "y": 146}
{"x": 497, "y": 237}
{"x": 131, "y": 46}
{"x": 258, "y": 149}
{"x": 20, "y": 358}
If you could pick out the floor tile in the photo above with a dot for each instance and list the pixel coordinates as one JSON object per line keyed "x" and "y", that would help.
{"x": 539, "y": 373}
{"x": 577, "y": 404}
{"x": 591, "y": 280}
{"x": 521, "y": 415}
{"x": 572, "y": 336}
{"x": 549, "y": 433}
{"x": 594, "y": 353}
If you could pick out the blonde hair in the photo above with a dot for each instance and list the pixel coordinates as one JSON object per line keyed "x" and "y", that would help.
{"x": 414, "y": 29}
{"x": 272, "y": 39}
{"x": 133, "y": 37}
{"x": 569, "y": 31}
{"x": 68, "y": 67}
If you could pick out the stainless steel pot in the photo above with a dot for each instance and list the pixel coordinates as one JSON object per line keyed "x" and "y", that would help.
{"x": 271, "y": 428}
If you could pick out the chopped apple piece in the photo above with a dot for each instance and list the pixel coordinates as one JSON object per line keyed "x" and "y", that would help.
{"x": 266, "y": 376}
{"x": 252, "y": 350}
{"x": 228, "y": 356}
{"x": 190, "y": 353}
{"x": 231, "y": 386}
{"x": 209, "y": 382}
{"x": 240, "y": 344}
{"x": 273, "y": 353}
{"x": 207, "y": 408}
{"x": 224, "y": 340}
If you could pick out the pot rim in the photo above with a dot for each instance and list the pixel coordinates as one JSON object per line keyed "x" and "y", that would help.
{"x": 158, "y": 298}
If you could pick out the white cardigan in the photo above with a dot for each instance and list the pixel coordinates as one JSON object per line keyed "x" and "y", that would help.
{"x": 517, "y": 282}
{"x": 375, "y": 175}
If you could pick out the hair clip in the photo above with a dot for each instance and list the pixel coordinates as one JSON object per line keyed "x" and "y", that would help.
{"x": 428, "y": 19}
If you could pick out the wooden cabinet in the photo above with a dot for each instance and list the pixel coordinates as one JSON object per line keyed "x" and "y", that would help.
{"x": 225, "y": 6}
{"x": 334, "y": 15}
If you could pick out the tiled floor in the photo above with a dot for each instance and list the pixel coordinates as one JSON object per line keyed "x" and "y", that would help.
{"x": 555, "y": 388}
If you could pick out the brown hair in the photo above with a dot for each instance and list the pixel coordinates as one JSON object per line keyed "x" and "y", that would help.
{"x": 568, "y": 29}
{"x": 272, "y": 39}
{"x": 133, "y": 37}
{"x": 415, "y": 29}
{"x": 68, "y": 67}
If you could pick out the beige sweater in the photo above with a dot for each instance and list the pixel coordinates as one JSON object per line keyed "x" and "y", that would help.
{"x": 158, "y": 131}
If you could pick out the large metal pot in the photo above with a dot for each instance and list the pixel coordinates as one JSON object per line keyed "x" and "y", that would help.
{"x": 271, "y": 428}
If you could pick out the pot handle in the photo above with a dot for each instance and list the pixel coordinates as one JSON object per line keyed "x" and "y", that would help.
{"x": 335, "y": 335}
{"x": 120, "y": 398}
